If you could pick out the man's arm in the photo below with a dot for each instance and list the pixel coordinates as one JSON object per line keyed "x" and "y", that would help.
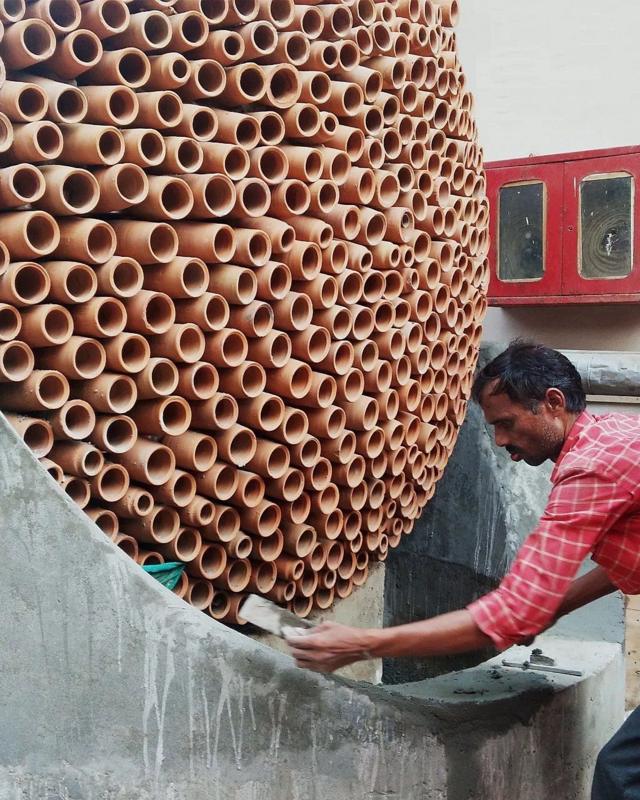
{"x": 585, "y": 589}
{"x": 330, "y": 646}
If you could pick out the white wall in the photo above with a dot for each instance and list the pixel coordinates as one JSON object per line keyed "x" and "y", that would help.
{"x": 552, "y": 76}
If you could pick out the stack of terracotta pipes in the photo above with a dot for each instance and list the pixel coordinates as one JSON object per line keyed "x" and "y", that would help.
{"x": 242, "y": 277}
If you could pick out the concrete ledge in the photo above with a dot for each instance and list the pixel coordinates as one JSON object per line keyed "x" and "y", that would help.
{"x": 117, "y": 689}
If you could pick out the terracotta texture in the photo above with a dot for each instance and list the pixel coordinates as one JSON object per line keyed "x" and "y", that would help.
{"x": 240, "y": 305}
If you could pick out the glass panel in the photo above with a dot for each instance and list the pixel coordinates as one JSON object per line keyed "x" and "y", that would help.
{"x": 521, "y": 232}
{"x": 606, "y": 207}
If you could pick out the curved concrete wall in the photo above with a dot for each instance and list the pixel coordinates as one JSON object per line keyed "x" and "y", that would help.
{"x": 114, "y": 688}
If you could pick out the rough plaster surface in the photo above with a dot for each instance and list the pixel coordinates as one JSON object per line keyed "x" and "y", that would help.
{"x": 117, "y": 690}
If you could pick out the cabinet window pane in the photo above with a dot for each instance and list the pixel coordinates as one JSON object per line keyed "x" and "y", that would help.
{"x": 606, "y": 208}
{"x": 521, "y": 232}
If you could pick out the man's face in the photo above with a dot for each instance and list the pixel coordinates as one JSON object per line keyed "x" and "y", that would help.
{"x": 528, "y": 435}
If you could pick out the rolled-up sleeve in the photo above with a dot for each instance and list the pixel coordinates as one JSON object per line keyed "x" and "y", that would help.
{"x": 584, "y": 503}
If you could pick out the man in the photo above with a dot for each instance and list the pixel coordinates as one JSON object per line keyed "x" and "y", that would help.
{"x": 533, "y": 398}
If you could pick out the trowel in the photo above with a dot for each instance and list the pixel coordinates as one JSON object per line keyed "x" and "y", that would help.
{"x": 267, "y": 615}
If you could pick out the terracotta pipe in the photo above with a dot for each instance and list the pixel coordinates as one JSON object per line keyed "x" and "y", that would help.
{"x": 228, "y": 159}
{"x": 71, "y": 282}
{"x": 79, "y": 358}
{"x": 209, "y": 311}
{"x": 167, "y": 415}
{"x": 340, "y": 358}
{"x": 337, "y": 320}
{"x": 213, "y": 195}
{"x": 23, "y": 102}
{"x": 68, "y": 190}
{"x": 198, "y": 381}
{"x": 178, "y": 491}
{"x": 110, "y": 484}
{"x": 224, "y": 525}
{"x": 273, "y": 281}
{"x": 128, "y": 66}
{"x": 291, "y": 197}
{"x": 350, "y": 286}
{"x": 168, "y": 71}
{"x": 147, "y": 242}
{"x": 109, "y": 393}
{"x": 46, "y": 325}
{"x": 111, "y": 105}
{"x": 158, "y": 527}
{"x": 89, "y": 240}
{"x": 281, "y": 235}
{"x": 210, "y": 241}
{"x": 245, "y": 381}
{"x": 183, "y": 155}
{"x": 24, "y": 284}
{"x": 75, "y": 54}
{"x": 100, "y": 145}
{"x": 241, "y": 546}
{"x": 128, "y": 544}
{"x": 29, "y": 234}
{"x": 147, "y": 30}
{"x": 249, "y": 491}
{"x": 19, "y": 185}
{"x": 27, "y": 42}
{"x": 105, "y": 520}
{"x": 264, "y": 411}
{"x": 169, "y": 198}
{"x": 144, "y": 147}
{"x": 246, "y": 83}
{"x": 263, "y": 577}
{"x": 52, "y": 469}
{"x": 77, "y": 490}
{"x": 34, "y": 141}
{"x": 105, "y": 18}
{"x": 218, "y": 413}
{"x": 127, "y": 352}
{"x": 196, "y": 122}
{"x": 200, "y": 592}
{"x": 192, "y": 450}
{"x": 218, "y": 482}
{"x": 237, "y": 445}
{"x": 35, "y": 433}
{"x": 136, "y": 503}
{"x": 271, "y": 129}
{"x": 236, "y": 284}
{"x": 262, "y": 519}
{"x": 12, "y": 12}
{"x": 272, "y": 350}
{"x": 221, "y": 607}
{"x": 183, "y": 343}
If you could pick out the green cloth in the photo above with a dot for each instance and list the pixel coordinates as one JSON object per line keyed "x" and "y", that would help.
{"x": 168, "y": 574}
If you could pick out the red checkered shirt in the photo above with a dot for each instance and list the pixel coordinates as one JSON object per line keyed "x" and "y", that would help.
{"x": 594, "y": 507}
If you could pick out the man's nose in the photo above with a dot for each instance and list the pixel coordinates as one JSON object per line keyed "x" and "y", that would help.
{"x": 502, "y": 440}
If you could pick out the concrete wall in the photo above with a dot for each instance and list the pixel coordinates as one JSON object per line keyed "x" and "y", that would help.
{"x": 114, "y": 688}
{"x": 552, "y": 77}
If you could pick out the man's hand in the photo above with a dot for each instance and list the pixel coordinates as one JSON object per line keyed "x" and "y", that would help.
{"x": 328, "y": 646}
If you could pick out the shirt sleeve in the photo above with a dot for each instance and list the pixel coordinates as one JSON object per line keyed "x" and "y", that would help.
{"x": 582, "y": 506}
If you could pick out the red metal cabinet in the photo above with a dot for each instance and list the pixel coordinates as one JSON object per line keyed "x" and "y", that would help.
{"x": 565, "y": 228}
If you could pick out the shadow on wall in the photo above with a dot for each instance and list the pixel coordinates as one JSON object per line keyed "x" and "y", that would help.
{"x": 482, "y": 510}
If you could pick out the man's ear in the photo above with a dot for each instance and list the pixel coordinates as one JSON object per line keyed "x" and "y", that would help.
{"x": 555, "y": 400}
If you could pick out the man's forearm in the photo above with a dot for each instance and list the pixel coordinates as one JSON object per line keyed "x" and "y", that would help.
{"x": 455, "y": 632}
{"x": 586, "y": 589}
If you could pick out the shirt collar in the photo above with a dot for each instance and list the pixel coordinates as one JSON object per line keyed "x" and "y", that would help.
{"x": 582, "y": 420}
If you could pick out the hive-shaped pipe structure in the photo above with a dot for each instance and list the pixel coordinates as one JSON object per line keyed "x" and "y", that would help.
{"x": 242, "y": 273}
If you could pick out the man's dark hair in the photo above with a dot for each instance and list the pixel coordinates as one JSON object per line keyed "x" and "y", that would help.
{"x": 525, "y": 370}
